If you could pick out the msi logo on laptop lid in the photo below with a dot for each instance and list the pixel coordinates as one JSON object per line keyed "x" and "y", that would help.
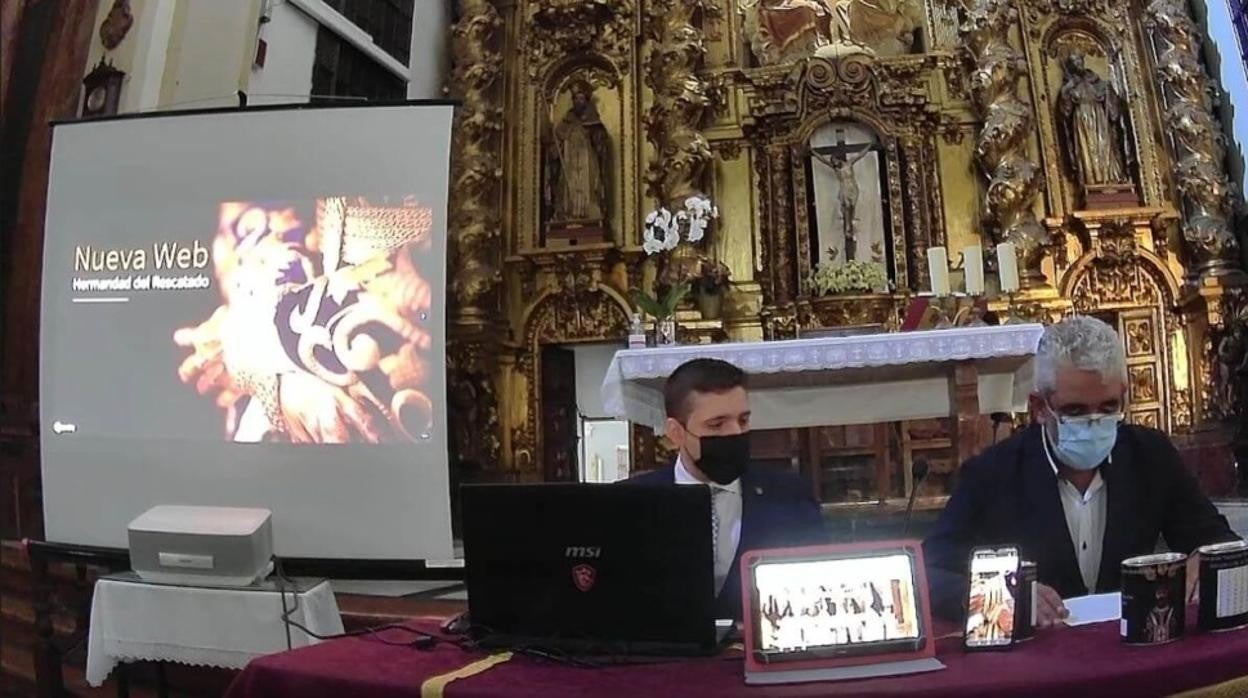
{"x": 584, "y": 577}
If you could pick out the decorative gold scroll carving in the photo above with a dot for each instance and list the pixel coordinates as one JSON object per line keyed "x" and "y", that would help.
{"x": 681, "y": 97}
{"x": 781, "y": 233}
{"x": 1196, "y": 143}
{"x": 1001, "y": 147}
{"x": 1114, "y": 11}
{"x": 559, "y": 28}
{"x": 475, "y": 237}
{"x": 1231, "y": 383}
{"x": 579, "y": 306}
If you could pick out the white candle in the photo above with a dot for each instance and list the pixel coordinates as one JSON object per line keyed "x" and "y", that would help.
{"x": 973, "y": 264}
{"x": 938, "y": 269}
{"x": 1007, "y": 264}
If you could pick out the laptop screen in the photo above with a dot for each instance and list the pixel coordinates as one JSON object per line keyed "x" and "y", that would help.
{"x": 836, "y": 605}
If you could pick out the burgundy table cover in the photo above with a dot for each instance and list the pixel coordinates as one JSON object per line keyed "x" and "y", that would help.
{"x": 1083, "y": 661}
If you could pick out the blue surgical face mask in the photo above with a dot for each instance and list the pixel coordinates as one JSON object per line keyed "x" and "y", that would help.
{"x": 1083, "y": 443}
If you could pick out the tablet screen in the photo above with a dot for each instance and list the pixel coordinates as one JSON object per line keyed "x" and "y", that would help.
{"x": 840, "y": 605}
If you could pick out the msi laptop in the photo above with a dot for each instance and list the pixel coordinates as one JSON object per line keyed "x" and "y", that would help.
{"x": 590, "y": 569}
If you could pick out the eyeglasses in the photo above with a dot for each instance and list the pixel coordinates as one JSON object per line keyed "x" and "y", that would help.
{"x": 1092, "y": 420}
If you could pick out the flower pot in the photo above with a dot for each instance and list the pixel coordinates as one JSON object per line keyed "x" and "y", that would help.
{"x": 665, "y": 332}
{"x": 710, "y": 304}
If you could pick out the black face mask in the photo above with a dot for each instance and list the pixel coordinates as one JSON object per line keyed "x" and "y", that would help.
{"x": 724, "y": 457}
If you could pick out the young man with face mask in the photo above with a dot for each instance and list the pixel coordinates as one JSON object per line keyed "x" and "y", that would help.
{"x": 1078, "y": 491}
{"x": 753, "y": 507}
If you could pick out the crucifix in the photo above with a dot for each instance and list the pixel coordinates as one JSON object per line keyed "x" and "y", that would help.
{"x": 841, "y": 162}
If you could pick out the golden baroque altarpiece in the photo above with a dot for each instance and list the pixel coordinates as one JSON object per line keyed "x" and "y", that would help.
{"x": 646, "y": 102}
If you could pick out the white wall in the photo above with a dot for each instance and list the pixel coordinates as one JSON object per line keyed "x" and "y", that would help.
{"x": 592, "y": 361}
{"x": 287, "y": 73}
{"x": 602, "y": 441}
{"x": 210, "y": 53}
{"x": 431, "y": 28}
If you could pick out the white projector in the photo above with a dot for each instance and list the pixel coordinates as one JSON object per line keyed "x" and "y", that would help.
{"x": 202, "y": 546}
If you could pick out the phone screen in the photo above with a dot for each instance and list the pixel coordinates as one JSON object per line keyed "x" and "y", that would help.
{"x": 990, "y": 606}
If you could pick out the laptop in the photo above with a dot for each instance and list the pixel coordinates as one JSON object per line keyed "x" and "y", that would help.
{"x": 591, "y": 569}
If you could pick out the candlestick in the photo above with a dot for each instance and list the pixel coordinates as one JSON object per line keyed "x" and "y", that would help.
{"x": 938, "y": 270}
{"x": 973, "y": 264}
{"x": 1007, "y": 267}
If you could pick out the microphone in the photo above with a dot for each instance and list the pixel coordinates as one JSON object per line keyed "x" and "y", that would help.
{"x": 918, "y": 472}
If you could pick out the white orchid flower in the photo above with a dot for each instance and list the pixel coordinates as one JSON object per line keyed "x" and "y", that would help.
{"x": 697, "y": 229}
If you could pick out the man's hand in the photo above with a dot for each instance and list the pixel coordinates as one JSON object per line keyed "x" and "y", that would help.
{"x": 1050, "y": 611}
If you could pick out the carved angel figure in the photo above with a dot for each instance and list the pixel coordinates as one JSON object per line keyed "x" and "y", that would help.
{"x": 781, "y": 31}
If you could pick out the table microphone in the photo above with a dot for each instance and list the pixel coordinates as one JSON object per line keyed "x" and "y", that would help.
{"x": 918, "y": 472}
{"x": 999, "y": 418}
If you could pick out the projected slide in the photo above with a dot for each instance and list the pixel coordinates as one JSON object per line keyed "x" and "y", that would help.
{"x": 247, "y": 308}
{"x": 319, "y": 334}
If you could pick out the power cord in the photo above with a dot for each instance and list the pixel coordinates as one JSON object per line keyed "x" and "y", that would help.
{"x": 423, "y": 640}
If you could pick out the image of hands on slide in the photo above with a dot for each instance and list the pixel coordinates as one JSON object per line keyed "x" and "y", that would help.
{"x": 990, "y": 612}
{"x": 321, "y": 333}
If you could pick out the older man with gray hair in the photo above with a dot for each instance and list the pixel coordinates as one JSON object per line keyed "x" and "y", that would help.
{"x": 1078, "y": 491}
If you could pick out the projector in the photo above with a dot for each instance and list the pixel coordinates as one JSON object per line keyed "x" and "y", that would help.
{"x": 202, "y": 546}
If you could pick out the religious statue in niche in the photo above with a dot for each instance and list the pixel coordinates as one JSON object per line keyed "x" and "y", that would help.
{"x": 845, "y": 172}
{"x": 576, "y": 182}
{"x": 782, "y": 31}
{"x": 1093, "y": 134}
{"x": 842, "y": 166}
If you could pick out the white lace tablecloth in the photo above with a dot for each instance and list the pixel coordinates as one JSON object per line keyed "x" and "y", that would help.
{"x": 134, "y": 621}
{"x": 840, "y": 380}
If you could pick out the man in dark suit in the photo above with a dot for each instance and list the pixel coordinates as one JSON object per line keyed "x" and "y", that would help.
{"x": 753, "y": 507}
{"x": 1077, "y": 491}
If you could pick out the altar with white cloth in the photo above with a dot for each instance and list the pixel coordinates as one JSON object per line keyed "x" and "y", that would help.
{"x": 959, "y": 372}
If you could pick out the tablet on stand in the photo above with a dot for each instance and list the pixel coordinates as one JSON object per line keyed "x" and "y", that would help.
{"x": 836, "y": 612}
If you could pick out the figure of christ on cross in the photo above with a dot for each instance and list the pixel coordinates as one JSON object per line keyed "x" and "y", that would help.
{"x": 842, "y": 165}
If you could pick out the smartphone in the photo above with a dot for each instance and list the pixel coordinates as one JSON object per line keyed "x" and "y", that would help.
{"x": 992, "y": 598}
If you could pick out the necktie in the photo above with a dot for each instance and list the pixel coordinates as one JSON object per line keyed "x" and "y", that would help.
{"x": 715, "y": 492}
{"x": 718, "y": 535}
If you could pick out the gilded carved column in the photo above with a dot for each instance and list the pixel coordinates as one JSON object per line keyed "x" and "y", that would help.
{"x": 780, "y": 230}
{"x": 1197, "y": 145}
{"x": 475, "y": 239}
{"x": 681, "y": 98}
{"x": 1001, "y": 146}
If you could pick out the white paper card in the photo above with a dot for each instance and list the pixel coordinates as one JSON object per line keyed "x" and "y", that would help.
{"x": 1232, "y": 591}
{"x": 1098, "y": 608}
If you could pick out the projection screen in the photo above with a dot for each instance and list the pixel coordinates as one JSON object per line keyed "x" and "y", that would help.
{"x": 246, "y": 308}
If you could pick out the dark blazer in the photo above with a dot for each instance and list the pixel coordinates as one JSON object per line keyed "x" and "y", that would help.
{"x": 1008, "y": 495}
{"x": 777, "y": 511}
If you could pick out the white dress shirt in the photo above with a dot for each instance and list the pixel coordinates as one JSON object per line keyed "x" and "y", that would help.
{"x": 725, "y": 520}
{"x": 1085, "y": 517}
